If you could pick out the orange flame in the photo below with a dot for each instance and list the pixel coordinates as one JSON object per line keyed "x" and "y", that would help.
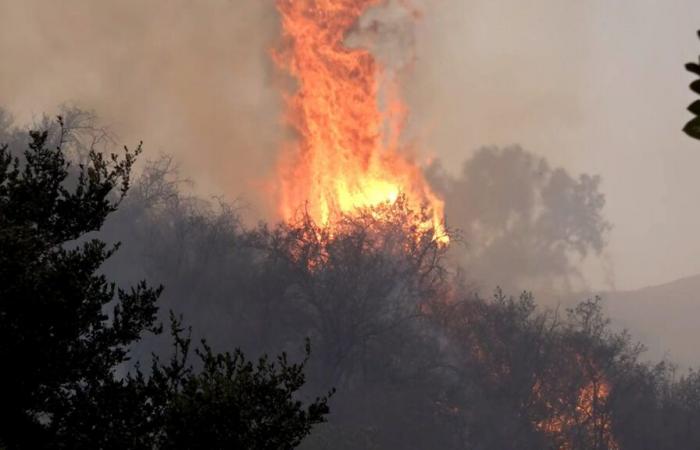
{"x": 347, "y": 155}
{"x": 588, "y": 414}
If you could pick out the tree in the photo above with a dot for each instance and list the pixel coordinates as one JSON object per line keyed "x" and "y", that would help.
{"x": 358, "y": 287}
{"x": 65, "y": 330}
{"x": 231, "y": 402}
{"x": 56, "y": 339}
{"x": 530, "y": 379}
{"x": 692, "y": 128}
{"x": 420, "y": 361}
{"x": 526, "y": 224}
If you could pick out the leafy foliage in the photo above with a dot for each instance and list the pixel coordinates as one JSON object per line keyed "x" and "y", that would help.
{"x": 53, "y": 325}
{"x": 66, "y": 331}
{"x": 232, "y": 402}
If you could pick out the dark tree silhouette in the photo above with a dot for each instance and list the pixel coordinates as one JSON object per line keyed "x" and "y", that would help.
{"x": 231, "y": 402}
{"x": 57, "y": 342}
{"x": 65, "y": 331}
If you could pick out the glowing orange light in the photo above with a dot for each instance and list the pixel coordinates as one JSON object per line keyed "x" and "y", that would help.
{"x": 347, "y": 154}
{"x": 589, "y": 414}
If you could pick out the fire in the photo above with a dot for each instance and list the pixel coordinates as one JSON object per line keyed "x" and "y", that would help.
{"x": 347, "y": 156}
{"x": 588, "y": 414}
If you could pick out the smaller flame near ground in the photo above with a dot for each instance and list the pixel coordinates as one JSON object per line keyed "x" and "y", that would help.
{"x": 347, "y": 155}
{"x": 589, "y": 414}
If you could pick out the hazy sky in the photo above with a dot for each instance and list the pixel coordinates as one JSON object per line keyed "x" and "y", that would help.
{"x": 596, "y": 86}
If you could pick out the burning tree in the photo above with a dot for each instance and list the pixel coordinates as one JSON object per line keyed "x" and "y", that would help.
{"x": 347, "y": 157}
{"x": 419, "y": 364}
{"x": 364, "y": 258}
{"x": 358, "y": 281}
{"x": 530, "y": 380}
{"x": 359, "y": 289}
{"x": 575, "y": 395}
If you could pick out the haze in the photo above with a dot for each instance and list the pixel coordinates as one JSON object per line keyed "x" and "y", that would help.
{"x": 596, "y": 87}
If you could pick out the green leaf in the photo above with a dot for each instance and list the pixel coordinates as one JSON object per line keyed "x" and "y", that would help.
{"x": 692, "y": 128}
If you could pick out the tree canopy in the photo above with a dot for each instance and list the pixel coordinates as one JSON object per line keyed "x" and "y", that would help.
{"x": 66, "y": 330}
{"x": 420, "y": 359}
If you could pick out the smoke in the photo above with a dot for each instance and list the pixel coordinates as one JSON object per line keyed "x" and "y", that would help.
{"x": 526, "y": 225}
{"x": 188, "y": 78}
{"x": 594, "y": 87}
{"x": 194, "y": 80}
{"x": 586, "y": 85}
{"x": 499, "y": 73}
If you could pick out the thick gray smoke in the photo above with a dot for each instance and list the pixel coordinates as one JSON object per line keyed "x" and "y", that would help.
{"x": 192, "y": 79}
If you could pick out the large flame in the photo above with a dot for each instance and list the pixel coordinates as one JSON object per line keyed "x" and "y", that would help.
{"x": 347, "y": 154}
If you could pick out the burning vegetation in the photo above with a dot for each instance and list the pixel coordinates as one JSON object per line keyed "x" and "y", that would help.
{"x": 419, "y": 360}
{"x": 359, "y": 267}
{"x": 348, "y": 154}
{"x": 347, "y": 171}
{"x": 584, "y": 423}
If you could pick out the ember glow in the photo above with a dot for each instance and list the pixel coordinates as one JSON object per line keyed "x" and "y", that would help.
{"x": 589, "y": 413}
{"x": 347, "y": 155}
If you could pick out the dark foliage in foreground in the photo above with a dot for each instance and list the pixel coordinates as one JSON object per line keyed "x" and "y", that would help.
{"x": 65, "y": 331}
{"x": 53, "y": 325}
{"x": 231, "y": 402}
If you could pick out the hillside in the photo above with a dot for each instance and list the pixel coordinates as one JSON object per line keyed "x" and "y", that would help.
{"x": 663, "y": 317}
